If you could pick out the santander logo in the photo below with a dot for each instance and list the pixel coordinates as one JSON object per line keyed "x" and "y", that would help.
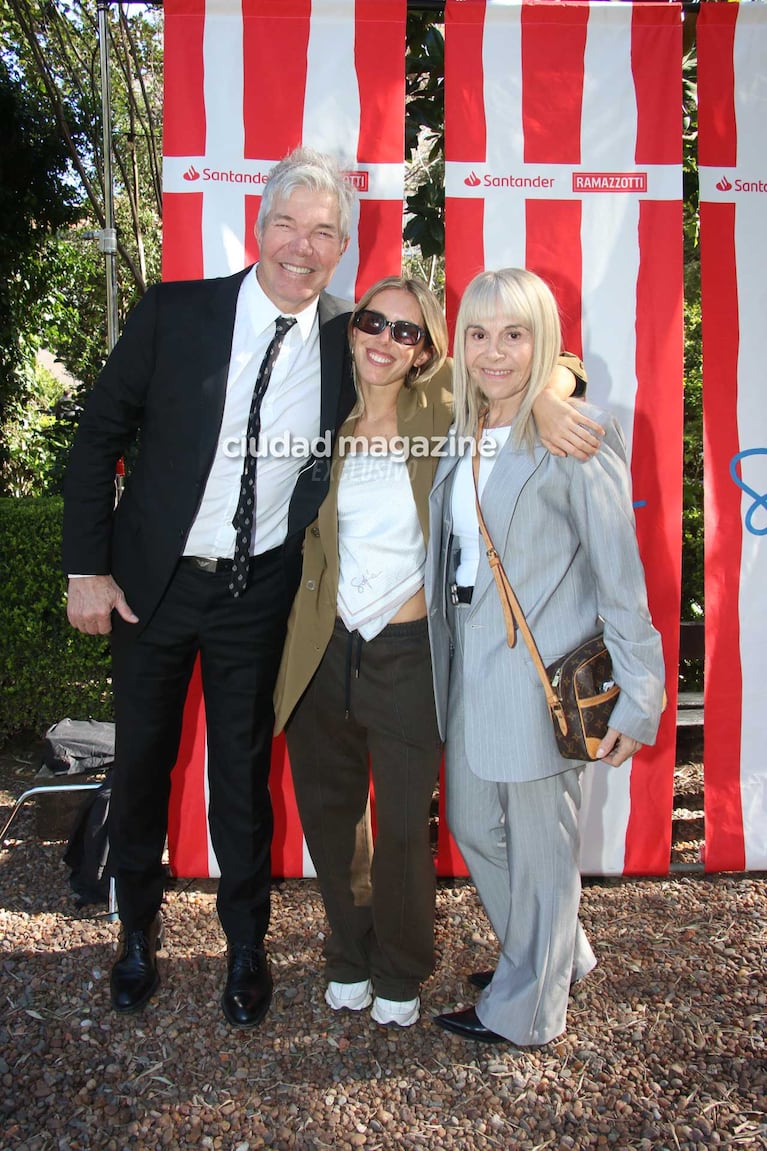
{"x": 738, "y": 185}
{"x": 191, "y": 173}
{"x": 472, "y": 180}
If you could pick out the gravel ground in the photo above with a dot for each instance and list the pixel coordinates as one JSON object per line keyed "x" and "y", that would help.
{"x": 666, "y": 1044}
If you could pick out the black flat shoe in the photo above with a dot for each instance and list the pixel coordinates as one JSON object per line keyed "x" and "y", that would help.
{"x": 481, "y": 979}
{"x": 134, "y": 977}
{"x": 466, "y": 1024}
{"x": 248, "y": 990}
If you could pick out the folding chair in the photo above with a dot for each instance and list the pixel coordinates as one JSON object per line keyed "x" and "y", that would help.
{"x": 47, "y": 787}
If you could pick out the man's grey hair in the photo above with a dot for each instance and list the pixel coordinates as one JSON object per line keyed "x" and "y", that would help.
{"x": 307, "y": 168}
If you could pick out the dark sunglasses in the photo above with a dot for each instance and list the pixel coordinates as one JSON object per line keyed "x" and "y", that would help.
{"x": 403, "y": 331}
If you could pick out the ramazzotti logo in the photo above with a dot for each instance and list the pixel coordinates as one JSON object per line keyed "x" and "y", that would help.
{"x": 724, "y": 185}
{"x": 358, "y": 180}
{"x": 609, "y": 181}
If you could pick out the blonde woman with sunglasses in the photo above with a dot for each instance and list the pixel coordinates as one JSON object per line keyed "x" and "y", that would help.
{"x": 355, "y": 688}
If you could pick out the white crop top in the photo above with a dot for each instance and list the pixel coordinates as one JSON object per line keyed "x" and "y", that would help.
{"x": 380, "y": 543}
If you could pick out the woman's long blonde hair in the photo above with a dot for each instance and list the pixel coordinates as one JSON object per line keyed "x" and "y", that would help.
{"x": 525, "y": 299}
{"x": 433, "y": 323}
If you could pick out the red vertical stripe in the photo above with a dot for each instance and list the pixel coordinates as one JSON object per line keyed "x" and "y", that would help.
{"x": 553, "y": 47}
{"x": 184, "y": 99}
{"x": 717, "y": 127}
{"x": 656, "y": 468}
{"x": 275, "y": 46}
{"x": 182, "y": 235}
{"x": 725, "y": 848}
{"x": 464, "y": 249}
{"x": 380, "y": 242}
{"x": 252, "y": 205}
{"x": 379, "y": 54}
{"x": 187, "y": 809}
{"x": 288, "y": 842}
{"x": 465, "y": 138}
{"x": 656, "y": 65}
{"x": 553, "y": 251}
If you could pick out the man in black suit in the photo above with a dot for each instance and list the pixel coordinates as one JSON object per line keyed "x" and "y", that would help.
{"x": 157, "y": 571}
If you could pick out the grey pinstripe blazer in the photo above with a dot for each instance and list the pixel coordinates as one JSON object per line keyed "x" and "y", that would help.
{"x": 566, "y": 534}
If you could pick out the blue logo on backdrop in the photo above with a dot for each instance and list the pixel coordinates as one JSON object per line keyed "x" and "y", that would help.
{"x": 760, "y": 501}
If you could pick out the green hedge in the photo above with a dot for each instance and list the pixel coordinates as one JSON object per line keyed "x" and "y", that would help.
{"x": 47, "y": 669}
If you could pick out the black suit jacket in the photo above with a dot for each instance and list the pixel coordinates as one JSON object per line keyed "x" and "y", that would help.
{"x": 165, "y": 383}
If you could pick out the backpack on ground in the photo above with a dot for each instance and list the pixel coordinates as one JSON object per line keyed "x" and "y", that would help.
{"x": 72, "y": 746}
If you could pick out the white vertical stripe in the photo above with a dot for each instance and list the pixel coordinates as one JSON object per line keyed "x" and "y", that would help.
{"x": 331, "y": 100}
{"x": 225, "y": 133}
{"x": 604, "y": 818}
{"x": 214, "y": 871}
{"x": 332, "y": 109}
{"x": 502, "y": 73}
{"x": 608, "y": 122}
{"x": 610, "y": 269}
{"x": 610, "y": 258}
{"x": 223, "y": 229}
{"x": 308, "y": 869}
{"x": 750, "y": 49}
{"x": 610, "y": 223}
{"x": 222, "y": 77}
{"x": 504, "y": 217}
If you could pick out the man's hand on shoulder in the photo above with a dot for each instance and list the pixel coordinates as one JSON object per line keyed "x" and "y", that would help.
{"x": 91, "y": 601}
{"x": 563, "y": 426}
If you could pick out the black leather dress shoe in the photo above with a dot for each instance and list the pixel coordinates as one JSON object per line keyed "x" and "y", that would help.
{"x": 134, "y": 977}
{"x": 481, "y": 979}
{"x": 466, "y": 1024}
{"x": 248, "y": 990}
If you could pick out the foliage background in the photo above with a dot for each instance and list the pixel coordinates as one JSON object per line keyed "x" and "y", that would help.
{"x": 47, "y": 669}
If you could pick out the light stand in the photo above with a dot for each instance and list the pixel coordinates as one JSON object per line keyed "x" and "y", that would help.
{"x": 107, "y": 236}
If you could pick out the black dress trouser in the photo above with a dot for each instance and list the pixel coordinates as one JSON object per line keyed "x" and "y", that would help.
{"x": 239, "y": 642}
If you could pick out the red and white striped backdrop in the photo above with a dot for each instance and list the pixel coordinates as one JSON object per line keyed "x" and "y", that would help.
{"x": 245, "y": 81}
{"x": 589, "y": 91}
{"x": 563, "y": 152}
{"x": 732, "y": 158}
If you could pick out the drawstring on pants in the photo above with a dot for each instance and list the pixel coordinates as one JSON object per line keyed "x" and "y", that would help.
{"x": 353, "y": 661}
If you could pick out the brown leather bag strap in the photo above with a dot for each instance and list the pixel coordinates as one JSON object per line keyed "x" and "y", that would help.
{"x": 512, "y": 612}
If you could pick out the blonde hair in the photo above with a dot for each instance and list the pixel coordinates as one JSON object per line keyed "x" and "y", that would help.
{"x": 433, "y": 324}
{"x": 524, "y": 298}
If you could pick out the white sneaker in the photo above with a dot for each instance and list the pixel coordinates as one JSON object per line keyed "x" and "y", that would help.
{"x": 404, "y": 1014}
{"x": 349, "y": 996}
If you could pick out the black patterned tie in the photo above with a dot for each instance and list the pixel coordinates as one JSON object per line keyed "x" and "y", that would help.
{"x": 246, "y": 505}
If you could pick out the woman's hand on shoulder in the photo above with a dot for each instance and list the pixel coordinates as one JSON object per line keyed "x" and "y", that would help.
{"x": 563, "y": 426}
{"x": 616, "y": 748}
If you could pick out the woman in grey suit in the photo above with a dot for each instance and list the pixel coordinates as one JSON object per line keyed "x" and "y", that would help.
{"x": 565, "y": 534}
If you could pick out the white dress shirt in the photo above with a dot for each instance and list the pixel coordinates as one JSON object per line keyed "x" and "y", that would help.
{"x": 290, "y": 416}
